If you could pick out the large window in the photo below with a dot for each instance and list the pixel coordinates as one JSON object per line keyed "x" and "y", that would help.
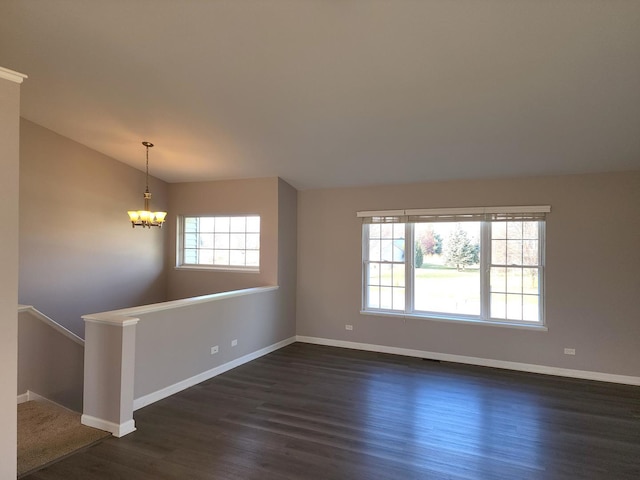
{"x": 476, "y": 264}
{"x": 222, "y": 242}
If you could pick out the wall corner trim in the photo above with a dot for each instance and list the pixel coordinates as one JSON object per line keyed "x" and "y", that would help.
{"x": 482, "y": 362}
{"x": 11, "y": 75}
{"x": 117, "y": 430}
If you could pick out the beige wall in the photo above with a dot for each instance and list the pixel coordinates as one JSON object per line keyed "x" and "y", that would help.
{"x": 78, "y": 252}
{"x": 9, "y": 165}
{"x": 592, "y": 274}
{"x": 232, "y": 197}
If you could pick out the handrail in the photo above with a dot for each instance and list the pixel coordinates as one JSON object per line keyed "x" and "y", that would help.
{"x": 51, "y": 323}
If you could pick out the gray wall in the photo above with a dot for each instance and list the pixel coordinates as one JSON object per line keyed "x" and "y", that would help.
{"x": 9, "y": 165}
{"x": 78, "y": 252}
{"x": 174, "y": 345}
{"x": 592, "y": 273}
{"x": 232, "y": 197}
{"x": 49, "y": 363}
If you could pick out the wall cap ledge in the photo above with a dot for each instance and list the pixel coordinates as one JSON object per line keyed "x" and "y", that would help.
{"x": 11, "y": 75}
{"x": 115, "y": 320}
{"x": 120, "y": 317}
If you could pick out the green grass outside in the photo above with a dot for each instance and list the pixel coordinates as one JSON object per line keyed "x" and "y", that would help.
{"x": 447, "y": 290}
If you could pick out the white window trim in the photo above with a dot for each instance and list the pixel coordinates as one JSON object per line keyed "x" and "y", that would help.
{"x": 457, "y": 319}
{"x": 208, "y": 268}
{"x": 485, "y": 245}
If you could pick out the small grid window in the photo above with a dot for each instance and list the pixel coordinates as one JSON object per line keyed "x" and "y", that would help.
{"x": 220, "y": 241}
{"x": 386, "y": 268}
{"x": 515, "y": 270}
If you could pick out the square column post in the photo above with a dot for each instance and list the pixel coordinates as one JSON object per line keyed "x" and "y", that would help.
{"x": 109, "y": 371}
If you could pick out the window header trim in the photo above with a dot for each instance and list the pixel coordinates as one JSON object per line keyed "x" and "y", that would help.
{"x": 469, "y": 214}
{"x": 455, "y": 211}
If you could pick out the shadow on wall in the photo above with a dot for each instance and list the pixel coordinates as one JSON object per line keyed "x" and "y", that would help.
{"x": 50, "y": 360}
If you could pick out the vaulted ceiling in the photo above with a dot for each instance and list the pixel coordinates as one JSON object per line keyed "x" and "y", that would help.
{"x": 327, "y": 93}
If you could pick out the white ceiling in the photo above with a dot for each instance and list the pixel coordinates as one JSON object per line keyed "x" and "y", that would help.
{"x": 332, "y": 93}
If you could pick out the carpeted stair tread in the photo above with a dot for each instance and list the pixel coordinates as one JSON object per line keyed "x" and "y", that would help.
{"x": 48, "y": 432}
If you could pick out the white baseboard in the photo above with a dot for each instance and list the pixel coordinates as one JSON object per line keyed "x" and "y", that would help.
{"x": 201, "y": 377}
{"x": 29, "y": 396}
{"x": 117, "y": 430}
{"x": 484, "y": 362}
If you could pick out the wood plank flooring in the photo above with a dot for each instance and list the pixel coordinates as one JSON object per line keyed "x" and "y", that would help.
{"x": 314, "y": 412}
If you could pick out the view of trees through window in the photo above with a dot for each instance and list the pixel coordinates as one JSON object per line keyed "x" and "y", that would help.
{"x": 447, "y": 273}
{"x": 443, "y": 272}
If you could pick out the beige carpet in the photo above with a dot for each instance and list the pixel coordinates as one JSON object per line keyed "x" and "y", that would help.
{"x": 47, "y": 433}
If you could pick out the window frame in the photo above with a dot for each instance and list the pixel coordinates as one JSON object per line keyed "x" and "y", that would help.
{"x": 180, "y": 246}
{"x": 486, "y": 218}
{"x": 368, "y": 262}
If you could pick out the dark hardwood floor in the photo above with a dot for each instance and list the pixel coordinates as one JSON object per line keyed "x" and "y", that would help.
{"x": 312, "y": 412}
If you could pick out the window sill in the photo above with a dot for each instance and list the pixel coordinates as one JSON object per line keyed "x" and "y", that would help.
{"x": 205, "y": 268}
{"x": 468, "y": 321}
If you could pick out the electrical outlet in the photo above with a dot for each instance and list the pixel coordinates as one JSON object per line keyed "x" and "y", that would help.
{"x": 234, "y": 343}
{"x": 569, "y": 351}
{"x": 214, "y": 350}
{"x": 348, "y": 327}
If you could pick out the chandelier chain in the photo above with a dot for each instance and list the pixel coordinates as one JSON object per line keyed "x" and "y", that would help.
{"x": 147, "y": 177}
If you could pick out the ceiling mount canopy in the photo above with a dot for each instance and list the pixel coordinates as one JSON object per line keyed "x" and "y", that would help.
{"x": 146, "y": 218}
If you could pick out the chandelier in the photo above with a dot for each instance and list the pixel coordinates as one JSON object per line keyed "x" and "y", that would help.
{"x": 146, "y": 218}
